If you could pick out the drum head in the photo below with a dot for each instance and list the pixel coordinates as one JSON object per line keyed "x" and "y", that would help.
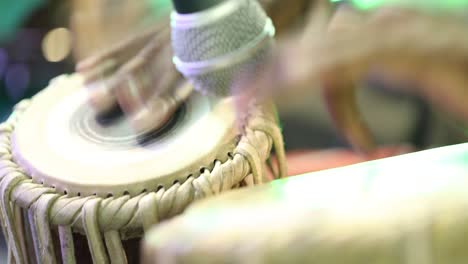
{"x": 60, "y": 143}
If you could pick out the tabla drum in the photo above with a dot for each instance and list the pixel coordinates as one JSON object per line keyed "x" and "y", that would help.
{"x": 75, "y": 189}
{"x": 407, "y": 209}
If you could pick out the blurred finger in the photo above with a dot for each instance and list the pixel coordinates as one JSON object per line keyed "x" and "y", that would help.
{"x": 442, "y": 83}
{"x": 138, "y": 88}
{"x": 159, "y": 109}
{"x": 147, "y": 76}
{"x": 446, "y": 86}
{"x": 100, "y": 97}
{"x": 149, "y": 99}
{"x": 124, "y": 50}
{"x": 132, "y": 83}
{"x": 99, "y": 89}
{"x": 100, "y": 71}
{"x": 339, "y": 95}
{"x": 152, "y": 58}
{"x": 156, "y": 110}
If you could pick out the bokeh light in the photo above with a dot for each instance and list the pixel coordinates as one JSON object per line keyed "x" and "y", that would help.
{"x": 56, "y": 45}
{"x": 17, "y": 79}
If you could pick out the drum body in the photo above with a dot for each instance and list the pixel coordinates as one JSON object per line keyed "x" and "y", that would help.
{"x": 75, "y": 190}
{"x": 406, "y": 209}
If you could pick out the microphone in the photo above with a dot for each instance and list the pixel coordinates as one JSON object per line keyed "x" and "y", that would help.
{"x": 217, "y": 41}
{"x": 193, "y": 6}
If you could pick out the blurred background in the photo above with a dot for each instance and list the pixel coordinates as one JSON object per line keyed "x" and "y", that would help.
{"x": 37, "y": 44}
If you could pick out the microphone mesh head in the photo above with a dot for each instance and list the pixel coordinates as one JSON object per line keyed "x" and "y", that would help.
{"x": 223, "y": 36}
{"x": 221, "y": 81}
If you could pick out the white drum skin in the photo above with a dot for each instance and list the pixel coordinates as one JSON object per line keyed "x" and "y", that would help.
{"x": 57, "y": 156}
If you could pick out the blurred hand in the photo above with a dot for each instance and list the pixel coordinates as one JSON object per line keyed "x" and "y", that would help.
{"x": 338, "y": 52}
{"x": 137, "y": 74}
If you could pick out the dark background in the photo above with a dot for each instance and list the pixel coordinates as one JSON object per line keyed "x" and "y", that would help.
{"x": 23, "y": 68}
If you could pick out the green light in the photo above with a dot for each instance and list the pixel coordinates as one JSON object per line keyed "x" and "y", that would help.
{"x": 368, "y": 4}
{"x": 159, "y": 7}
{"x": 13, "y": 14}
{"x": 442, "y": 5}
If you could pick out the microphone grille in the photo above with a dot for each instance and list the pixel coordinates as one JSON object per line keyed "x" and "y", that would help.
{"x": 219, "y": 82}
{"x": 214, "y": 47}
{"x": 226, "y": 35}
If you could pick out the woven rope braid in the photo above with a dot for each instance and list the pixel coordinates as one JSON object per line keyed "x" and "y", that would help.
{"x": 108, "y": 221}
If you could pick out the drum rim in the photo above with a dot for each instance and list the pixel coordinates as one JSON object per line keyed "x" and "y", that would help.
{"x": 81, "y": 187}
